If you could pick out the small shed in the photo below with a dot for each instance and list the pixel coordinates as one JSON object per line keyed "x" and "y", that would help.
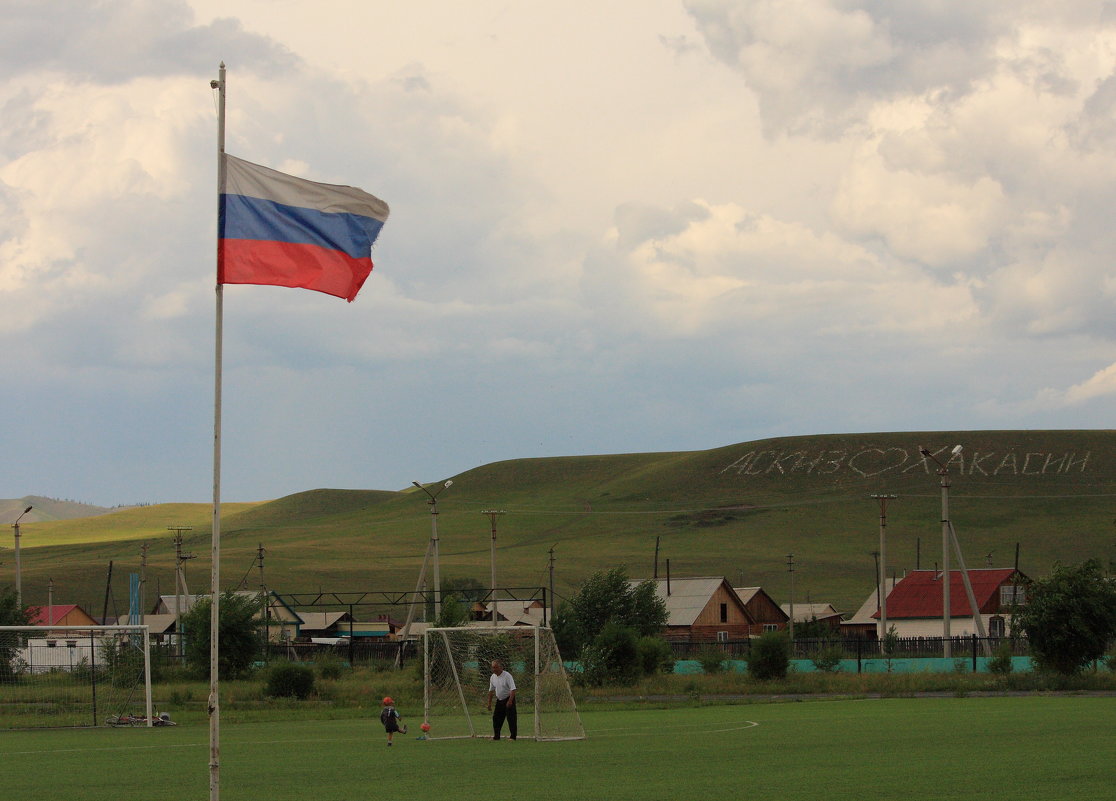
{"x": 823, "y": 613}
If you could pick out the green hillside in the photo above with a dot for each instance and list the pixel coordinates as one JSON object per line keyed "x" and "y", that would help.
{"x": 735, "y": 511}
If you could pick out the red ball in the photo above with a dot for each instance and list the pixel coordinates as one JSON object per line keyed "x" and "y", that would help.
{"x": 425, "y": 727}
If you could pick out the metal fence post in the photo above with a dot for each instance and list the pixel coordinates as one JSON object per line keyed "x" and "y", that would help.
{"x": 93, "y": 673}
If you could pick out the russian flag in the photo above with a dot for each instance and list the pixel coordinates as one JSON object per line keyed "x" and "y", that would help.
{"x": 279, "y": 230}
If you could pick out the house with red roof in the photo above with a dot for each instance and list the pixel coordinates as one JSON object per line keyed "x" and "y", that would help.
{"x": 914, "y": 605}
{"x": 59, "y": 615}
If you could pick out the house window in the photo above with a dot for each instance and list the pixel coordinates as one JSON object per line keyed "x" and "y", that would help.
{"x": 1012, "y": 594}
{"x": 770, "y": 626}
{"x": 996, "y": 627}
{"x": 724, "y": 613}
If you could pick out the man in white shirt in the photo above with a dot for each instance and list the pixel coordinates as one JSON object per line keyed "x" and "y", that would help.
{"x": 502, "y": 686}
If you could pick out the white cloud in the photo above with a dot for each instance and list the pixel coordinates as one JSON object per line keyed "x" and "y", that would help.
{"x": 615, "y": 227}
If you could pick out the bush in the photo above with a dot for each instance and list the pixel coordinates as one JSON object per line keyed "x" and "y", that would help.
{"x": 1000, "y": 664}
{"x": 655, "y": 655}
{"x": 289, "y": 680}
{"x": 611, "y": 658}
{"x": 330, "y": 666}
{"x": 712, "y": 660}
{"x": 770, "y": 658}
{"x": 828, "y": 659}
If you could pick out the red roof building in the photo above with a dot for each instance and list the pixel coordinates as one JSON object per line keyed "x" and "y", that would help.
{"x": 59, "y": 615}
{"x": 914, "y": 606}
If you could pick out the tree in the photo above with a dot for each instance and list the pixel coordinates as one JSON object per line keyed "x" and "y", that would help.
{"x": 454, "y": 613}
{"x": 239, "y": 625}
{"x": 608, "y": 596}
{"x": 1069, "y": 617}
{"x": 603, "y": 623}
{"x": 466, "y": 590}
{"x": 11, "y": 614}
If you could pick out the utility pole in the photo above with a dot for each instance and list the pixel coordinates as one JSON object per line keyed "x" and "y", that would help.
{"x": 882, "y": 567}
{"x": 790, "y": 569}
{"x": 434, "y": 543}
{"x": 265, "y": 606}
{"x": 143, "y": 582}
{"x": 947, "y": 645}
{"x": 550, "y": 567}
{"x": 179, "y": 583}
{"x": 492, "y": 515}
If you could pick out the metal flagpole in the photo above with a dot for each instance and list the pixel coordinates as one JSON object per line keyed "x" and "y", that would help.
{"x": 215, "y": 572}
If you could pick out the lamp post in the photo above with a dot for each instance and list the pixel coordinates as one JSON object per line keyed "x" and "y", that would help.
{"x": 434, "y": 542}
{"x": 18, "y": 579}
{"x": 947, "y": 646}
{"x": 492, "y": 515}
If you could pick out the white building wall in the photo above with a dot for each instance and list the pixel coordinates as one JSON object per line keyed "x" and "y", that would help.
{"x": 932, "y": 627}
{"x": 65, "y": 654}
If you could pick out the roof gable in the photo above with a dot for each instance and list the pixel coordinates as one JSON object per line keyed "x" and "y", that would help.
{"x": 48, "y": 615}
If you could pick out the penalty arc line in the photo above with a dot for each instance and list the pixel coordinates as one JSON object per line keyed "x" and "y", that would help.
{"x": 666, "y": 730}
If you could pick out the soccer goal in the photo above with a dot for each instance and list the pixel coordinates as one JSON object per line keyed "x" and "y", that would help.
{"x": 457, "y": 665}
{"x": 74, "y": 676}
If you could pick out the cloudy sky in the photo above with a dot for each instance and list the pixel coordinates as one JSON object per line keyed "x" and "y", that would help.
{"x": 630, "y": 225}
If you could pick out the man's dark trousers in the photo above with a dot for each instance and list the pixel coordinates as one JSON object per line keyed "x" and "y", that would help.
{"x": 504, "y": 712}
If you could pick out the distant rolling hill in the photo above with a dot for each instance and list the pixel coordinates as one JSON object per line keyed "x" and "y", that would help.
{"x": 47, "y": 509}
{"x": 736, "y": 511}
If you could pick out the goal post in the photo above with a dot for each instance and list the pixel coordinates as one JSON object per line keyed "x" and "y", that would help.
{"x": 456, "y": 669}
{"x": 75, "y": 676}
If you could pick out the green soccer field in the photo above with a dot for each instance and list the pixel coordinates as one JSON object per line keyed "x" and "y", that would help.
{"x": 944, "y": 748}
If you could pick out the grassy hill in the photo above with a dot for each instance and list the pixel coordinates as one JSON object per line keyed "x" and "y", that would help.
{"x": 735, "y": 511}
{"x": 47, "y": 509}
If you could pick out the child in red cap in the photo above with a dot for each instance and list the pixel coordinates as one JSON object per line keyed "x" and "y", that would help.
{"x": 389, "y": 716}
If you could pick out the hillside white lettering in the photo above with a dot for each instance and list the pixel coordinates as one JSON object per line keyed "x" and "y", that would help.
{"x": 875, "y": 460}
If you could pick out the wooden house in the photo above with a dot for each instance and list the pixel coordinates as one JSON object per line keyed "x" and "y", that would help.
{"x": 703, "y": 609}
{"x": 767, "y": 614}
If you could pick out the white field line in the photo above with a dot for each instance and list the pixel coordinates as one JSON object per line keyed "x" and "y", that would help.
{"x": 627, "y": 731}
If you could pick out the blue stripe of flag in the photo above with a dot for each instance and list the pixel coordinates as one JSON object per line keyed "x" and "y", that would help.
{"x": 243, "y": 217}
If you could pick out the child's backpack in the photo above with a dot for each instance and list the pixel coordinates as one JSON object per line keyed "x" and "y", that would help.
{"x": 386, "y": 714}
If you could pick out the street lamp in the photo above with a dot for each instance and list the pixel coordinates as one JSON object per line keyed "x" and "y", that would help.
{"x": 947, "y": 649}
{"x": 18, "y": 581}
{"x": 434, "y": 542}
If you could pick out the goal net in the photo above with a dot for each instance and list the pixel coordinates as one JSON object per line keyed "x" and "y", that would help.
{"x": 457, "y": 666}
{"x": 72, "y": 676}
